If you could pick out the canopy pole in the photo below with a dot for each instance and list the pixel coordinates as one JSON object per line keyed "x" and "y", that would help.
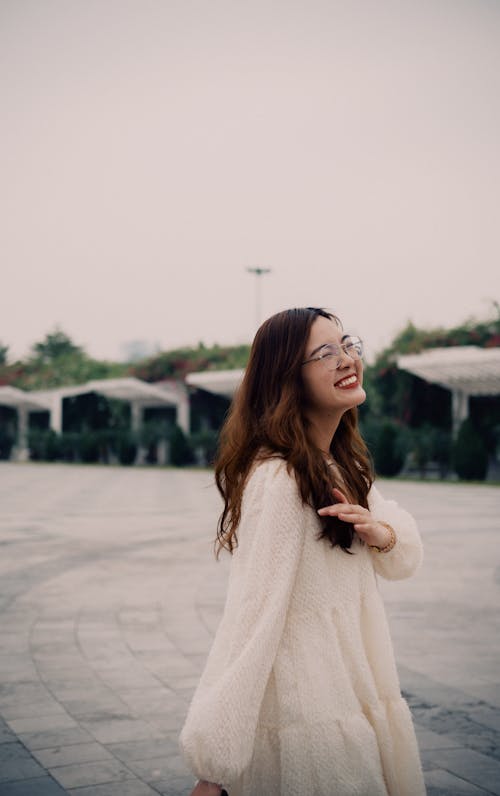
{"x": 21, "y": 452}
{"x": 460, "y": 408}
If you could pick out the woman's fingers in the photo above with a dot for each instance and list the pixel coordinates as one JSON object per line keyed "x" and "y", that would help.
{"x": 339, "y": 495}
{"x": 345, "y": 511}
{"x": 353, "y": 517}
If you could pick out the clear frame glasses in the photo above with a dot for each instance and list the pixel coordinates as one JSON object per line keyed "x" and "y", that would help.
{"x": 330, "y": 355}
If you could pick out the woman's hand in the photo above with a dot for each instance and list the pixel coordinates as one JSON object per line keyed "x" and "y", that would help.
{"x": 204, "y": 788}
{"x": 368, "y": 529}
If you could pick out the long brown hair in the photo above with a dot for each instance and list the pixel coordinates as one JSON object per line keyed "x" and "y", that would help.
{"x": 267, "y": 419}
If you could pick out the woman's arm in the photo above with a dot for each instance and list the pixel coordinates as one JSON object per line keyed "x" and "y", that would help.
{"x": 406, "y": 556}
{"x": 218, "y": 735}
{"x": 404, "y": 551}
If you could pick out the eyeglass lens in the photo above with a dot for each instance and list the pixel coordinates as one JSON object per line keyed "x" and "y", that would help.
{"x": 331, "y": 356}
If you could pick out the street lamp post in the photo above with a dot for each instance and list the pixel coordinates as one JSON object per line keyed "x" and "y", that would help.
{"x": 258, "y": 297}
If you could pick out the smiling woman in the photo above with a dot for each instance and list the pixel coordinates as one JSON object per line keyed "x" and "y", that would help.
{"x": 300, "y": 692}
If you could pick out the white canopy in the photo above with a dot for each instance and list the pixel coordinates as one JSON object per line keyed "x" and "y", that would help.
{"x": 125, "y": 389}
{"x": 465, "y": 370}
{"x": 220, "y": 382}
{"x": 19, "y": 399}
{"x": 470, "y": 369}
{"x": 139, "y": 393}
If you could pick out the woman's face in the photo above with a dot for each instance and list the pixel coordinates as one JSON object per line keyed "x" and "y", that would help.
{"x": 326, "y": 390}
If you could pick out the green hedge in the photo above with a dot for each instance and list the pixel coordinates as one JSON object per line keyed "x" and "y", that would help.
{"x": 469, "y": 454}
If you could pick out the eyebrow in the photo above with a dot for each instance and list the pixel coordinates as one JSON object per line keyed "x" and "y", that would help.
{"x": 329, "y": 343}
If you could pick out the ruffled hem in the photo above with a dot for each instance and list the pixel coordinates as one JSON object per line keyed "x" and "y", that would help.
{"x": 370, "y": 753}
{"x": 392, "y": 722}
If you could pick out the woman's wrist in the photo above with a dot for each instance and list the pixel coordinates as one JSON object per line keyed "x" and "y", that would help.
{"x": 388, "y": 542}
{"x": 210, "y": 788}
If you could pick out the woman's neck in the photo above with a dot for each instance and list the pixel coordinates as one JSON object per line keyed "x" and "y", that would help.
{"x": 321, "y": 433}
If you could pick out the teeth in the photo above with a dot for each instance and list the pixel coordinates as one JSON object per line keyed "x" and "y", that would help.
{"x": 344, "y": 382}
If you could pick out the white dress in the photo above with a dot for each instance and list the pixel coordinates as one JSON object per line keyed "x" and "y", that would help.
{"x": 300, "y": 694}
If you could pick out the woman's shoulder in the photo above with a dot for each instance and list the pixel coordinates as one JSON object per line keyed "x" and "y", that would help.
{"x": 271, "y": 482}
{"x": 267, "y": 464}
{"x": 269, "y": 470}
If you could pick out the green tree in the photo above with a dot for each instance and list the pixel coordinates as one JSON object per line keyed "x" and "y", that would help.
{"x": 55, "y": 345}
{"x": 3, "y": 354}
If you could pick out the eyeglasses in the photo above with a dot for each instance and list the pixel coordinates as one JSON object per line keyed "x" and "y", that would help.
{"x": 331, "y": 355}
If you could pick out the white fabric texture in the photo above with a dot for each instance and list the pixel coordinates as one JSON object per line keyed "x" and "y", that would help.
{"x": 300, "y": 694}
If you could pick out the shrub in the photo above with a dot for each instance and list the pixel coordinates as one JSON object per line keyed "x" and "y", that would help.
{"x": 44, "y": 444}
{"x": 89, "y": 446}
{"x": 126, "y": 446}
{"x": 180, "y": 449}
{"x": 469, "y": 453}
{"x": 7, "y": 440}
{"x": 388, "y": 452}
{"x": 422, "y": 447}
{"x": 204, "y": 443}
{"x": 441, "y": 450}
{"x": 70, "y": 446}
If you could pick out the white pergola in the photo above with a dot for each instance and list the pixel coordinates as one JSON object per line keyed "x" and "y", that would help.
{"x": 220, "y": 382}
{"x": 139, "y": 394}
{"x": 465, "y": 370}
{"x": 24, "y": 403}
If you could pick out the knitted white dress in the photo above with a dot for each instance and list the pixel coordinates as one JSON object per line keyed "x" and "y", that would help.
{"x": 300, "y": 695}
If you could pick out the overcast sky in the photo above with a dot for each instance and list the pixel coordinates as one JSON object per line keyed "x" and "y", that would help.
{"x": 153, "y": 150}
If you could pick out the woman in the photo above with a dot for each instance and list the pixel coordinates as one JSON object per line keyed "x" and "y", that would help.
{"x": 300, "y": 693}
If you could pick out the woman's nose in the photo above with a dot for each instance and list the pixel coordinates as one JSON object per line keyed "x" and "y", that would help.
{"x": 345, "y": 359}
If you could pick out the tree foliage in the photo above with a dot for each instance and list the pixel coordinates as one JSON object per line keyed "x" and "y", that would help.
{"x": 181, "y": 361}
{"x": 4, "y": 349}
{"x": 55, "y": 346}
{"x": 56, "y": 361}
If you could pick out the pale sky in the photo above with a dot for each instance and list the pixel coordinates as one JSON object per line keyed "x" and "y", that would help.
{"x": 153, "y": 150}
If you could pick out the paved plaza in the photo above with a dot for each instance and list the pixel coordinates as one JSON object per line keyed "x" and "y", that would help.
{"x": 110, "y": 596}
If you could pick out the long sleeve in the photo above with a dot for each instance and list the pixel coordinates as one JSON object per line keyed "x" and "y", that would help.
{"x": 218, "y": 735}
{"x": 407, "y": 554}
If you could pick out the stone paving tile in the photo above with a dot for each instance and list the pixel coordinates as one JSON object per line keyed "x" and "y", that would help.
{"x": 76, "y": 753}
{"x": 110, "y": 731}
{"x": 50, "y": 738}
{"x": 142, "y": 750}
{"x": 459, "y": 726}
{"x": 16, "y": 769}
{"x": 159, "y": 768}
{"x": 132, "y": 787}
{"x": 55, "y": 721}
{"x": 180, "y": 786}
{"x": 41, "y": 786}
{"x": 442, "y": 783}
{"x": 486, "y": 715}
{"x": 80, "y": 774}
{"x": 13, "y": 751}
{"x": 480, "y": 770}
{"x": 31, "y": 710}
{"x": 6, "y": 734}
{"x": 164, "y": 722}
{"x": 427, "y": 739}
{"x": 16, "y": 763}
{"x": 89, "y": 706}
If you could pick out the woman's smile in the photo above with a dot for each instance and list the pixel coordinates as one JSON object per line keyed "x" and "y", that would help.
{"x": 347, "y": 382}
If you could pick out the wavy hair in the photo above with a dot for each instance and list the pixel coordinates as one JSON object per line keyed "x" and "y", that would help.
{"x": 267, "y": 419}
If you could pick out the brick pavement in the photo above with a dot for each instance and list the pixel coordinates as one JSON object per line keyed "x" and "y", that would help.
{"x": 110, "y": 596}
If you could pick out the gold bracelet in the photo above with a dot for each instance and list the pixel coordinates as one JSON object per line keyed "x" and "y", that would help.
{"x": 390, "y": 544}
